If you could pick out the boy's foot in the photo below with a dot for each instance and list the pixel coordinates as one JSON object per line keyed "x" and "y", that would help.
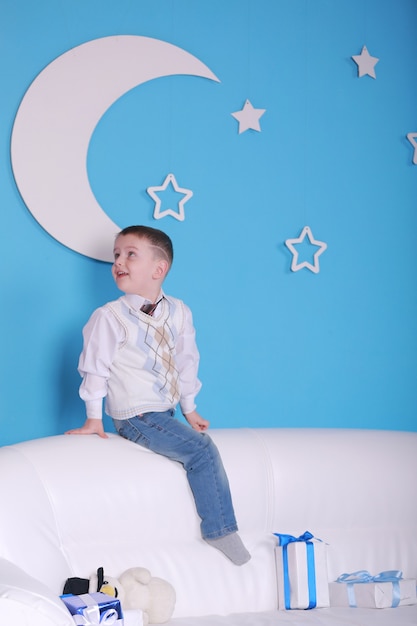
{"x": 232, "y": 546}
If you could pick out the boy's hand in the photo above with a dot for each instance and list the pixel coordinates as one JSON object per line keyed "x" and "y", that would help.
{"x": 90, "y": 427}
{"x": 196, "y": 421}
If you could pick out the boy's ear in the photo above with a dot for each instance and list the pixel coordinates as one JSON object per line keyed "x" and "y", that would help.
{"x": 161, "y": 269}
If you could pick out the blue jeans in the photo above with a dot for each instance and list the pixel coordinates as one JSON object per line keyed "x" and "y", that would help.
{"x": 163, "y": 434}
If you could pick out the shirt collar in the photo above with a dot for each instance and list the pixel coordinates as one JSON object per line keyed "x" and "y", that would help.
{"x": 136, "y": 301}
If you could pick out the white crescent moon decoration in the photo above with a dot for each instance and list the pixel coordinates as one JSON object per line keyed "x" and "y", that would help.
{"x": 55, "y": 122}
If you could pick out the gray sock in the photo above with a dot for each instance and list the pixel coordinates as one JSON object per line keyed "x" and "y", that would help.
{"x": 232, "y": 546}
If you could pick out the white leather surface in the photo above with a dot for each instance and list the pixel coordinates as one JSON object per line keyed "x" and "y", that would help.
{"x": 15, "y": 613}
{"x": 74, "y": 503}
{"x": 354, "y": 489}
{"x": 403, "y": 616}
{"x": 28, "y": 600}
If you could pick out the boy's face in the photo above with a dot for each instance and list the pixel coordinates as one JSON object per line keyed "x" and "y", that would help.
{"x": 137, "y": 269}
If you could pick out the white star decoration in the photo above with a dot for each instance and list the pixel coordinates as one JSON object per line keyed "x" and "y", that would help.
{"x": 248, "y": 117}
{"x": 366, "y": 63}
{"x": 291, "y": 243}
{"x": 412, "y": 138}
{"x": 153, "y": 192}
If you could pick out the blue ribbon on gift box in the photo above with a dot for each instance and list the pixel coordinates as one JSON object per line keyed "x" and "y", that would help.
{"x": 91, "y": 617}
{"x": 95, "y": 609}
{"x": 363, "y": 576}
{"x": 284, "y": 541}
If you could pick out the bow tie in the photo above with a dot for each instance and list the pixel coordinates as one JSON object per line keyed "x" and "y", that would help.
{"x": 149, "y": 309}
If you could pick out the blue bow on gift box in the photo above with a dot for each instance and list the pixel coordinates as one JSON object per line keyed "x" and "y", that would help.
{"x": 284, "y": 541}
{"x": 91, "y": 617}
{"x": 363, "y": 576}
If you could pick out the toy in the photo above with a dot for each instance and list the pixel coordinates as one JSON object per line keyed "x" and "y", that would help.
{"x": 155, "y": 596}
{"x": 107, "y": 584}
{"x": 136, "y": 588}
{"x": 96, "y": 582}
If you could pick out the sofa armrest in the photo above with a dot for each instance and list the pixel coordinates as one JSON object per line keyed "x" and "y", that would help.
{"x": 25, "y": 600}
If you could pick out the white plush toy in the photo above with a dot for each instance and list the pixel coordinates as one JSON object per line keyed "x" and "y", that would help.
{"x": 155, "y": 596}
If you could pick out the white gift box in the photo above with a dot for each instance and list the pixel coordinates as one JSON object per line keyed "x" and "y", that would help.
{"x": 373, "y": 595}
{"x": 302, "y": 573}
{"x": 132, "y": 617}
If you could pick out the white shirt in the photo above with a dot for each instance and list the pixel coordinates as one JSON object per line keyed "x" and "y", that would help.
{"x": 103, "y": 334}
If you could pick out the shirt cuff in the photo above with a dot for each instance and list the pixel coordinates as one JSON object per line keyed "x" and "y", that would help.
{"x": 94, "y": 409}
{"x": 187, "y": 405}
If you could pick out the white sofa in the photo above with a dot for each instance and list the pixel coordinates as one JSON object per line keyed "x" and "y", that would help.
{"x": 70, "y": 504}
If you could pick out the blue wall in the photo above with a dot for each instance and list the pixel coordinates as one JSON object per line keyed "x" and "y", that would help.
{"x": 337, "y": 348}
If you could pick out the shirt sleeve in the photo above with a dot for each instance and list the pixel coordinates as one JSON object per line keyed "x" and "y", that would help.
{"x": 188, "y": 359}
{"x": 102, "y": 335}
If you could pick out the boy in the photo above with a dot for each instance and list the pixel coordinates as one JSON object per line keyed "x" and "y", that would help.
{"x": 140, "y": 355}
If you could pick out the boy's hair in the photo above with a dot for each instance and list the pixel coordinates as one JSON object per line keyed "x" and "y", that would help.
{"x": 155, "y": 237}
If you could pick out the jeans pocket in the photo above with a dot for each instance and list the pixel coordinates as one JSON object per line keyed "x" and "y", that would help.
{"x": 129, "y": 429}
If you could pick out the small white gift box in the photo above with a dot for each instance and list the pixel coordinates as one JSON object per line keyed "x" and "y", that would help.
{"x": 301, "y": 572}
{"x": 386, "y": 590}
